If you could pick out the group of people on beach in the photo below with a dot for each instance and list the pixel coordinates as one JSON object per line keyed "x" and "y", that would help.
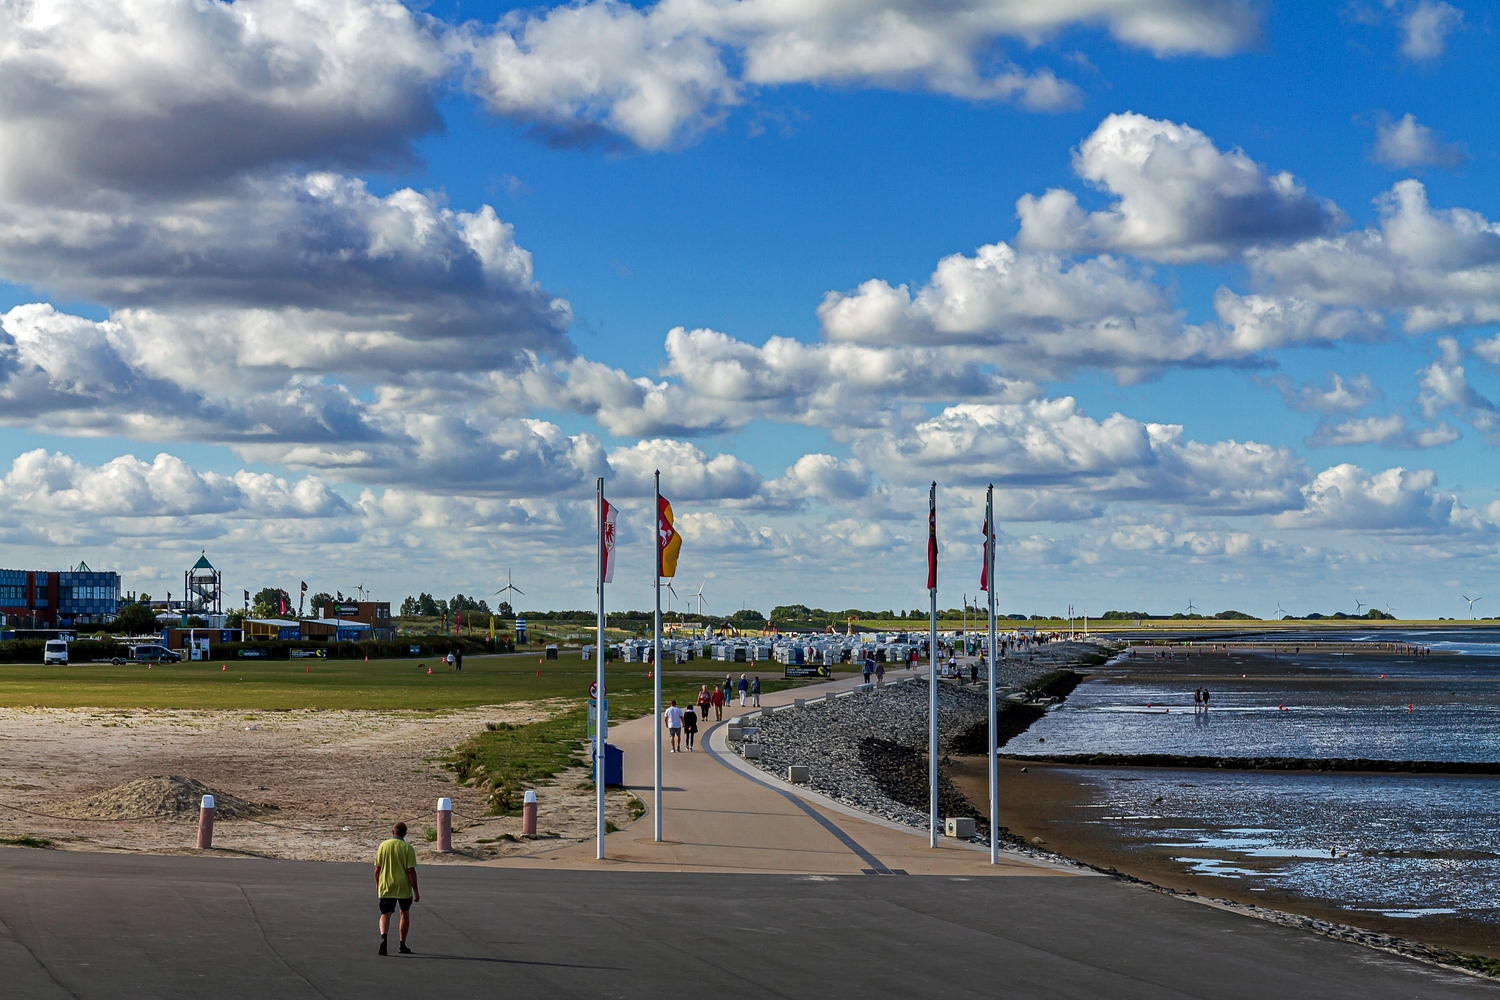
{"x": 1200, "y": 699}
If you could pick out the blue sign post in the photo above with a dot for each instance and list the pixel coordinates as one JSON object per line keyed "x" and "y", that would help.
{"x": 520, "y": 631}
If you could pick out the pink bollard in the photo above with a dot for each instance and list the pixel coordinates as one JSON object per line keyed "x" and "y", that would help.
{"x": 528, "y": 815}
{"x": 206, "y": 824}
{"x": 445, "y": 825}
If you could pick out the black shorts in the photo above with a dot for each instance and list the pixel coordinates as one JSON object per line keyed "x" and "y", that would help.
{"x": 388, "y": 904}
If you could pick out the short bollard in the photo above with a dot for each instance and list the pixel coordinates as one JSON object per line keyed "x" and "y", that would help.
{"x": 528, "y": 815}
{"x": 206, "y": 824}
{"x": 445, "y": 825}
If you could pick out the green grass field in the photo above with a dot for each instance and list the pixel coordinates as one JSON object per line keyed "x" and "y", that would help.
{"x": 287, "y": 684}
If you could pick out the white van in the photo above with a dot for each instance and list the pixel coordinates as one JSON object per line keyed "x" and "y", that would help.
{"x": 56, "y": 651}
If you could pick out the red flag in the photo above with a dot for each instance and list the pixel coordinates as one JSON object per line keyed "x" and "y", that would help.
{"x": 283, "y": 602}
{"x": 984, "y": 572}
{"x": 607, "y": 515}
{"x": 932, "y": 548}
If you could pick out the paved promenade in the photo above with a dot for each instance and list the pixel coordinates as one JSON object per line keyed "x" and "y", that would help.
{"x": 721, "y": 815}
{"x": 112, "y": 926}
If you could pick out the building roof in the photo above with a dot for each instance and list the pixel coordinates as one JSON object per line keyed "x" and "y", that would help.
{"x": 203, "y": 562}
{"x": 272, "y": 621}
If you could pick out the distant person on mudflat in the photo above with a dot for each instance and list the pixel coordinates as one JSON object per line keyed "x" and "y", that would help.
{"x": 689, "y": 727}
{"x": 396, "y": 884}
{"x": 1205, "y": 699}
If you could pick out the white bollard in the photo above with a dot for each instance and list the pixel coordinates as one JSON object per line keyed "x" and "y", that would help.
{"x": 206, "y": 824}
{"x": 528, "y": 815}
{"x": 445, "y": 825}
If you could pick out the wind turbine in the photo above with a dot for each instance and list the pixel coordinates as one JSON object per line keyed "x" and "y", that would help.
{"x": 1280, "y": 611}
{"x": 670, "y": 594}
{"x": 361, "y": 589}
{"x": 1190, "y": 608}
{"x": 699, "y": 597}
{"x": 1472, "y": 601}
{"x": 1359, "y": 606}
{"x": 509, "y": 587}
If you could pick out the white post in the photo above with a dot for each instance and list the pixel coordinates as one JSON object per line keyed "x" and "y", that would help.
{"x": 989, "y": 519}
{"x": 932, "y": 705}
{"x": 601, "y": 726}
{"x": 656, "y": 663}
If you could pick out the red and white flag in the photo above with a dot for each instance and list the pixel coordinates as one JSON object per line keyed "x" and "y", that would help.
{"x": 607, "y": 514}
{"x": 984, "y": 572}
{"x": 932, "y": 548}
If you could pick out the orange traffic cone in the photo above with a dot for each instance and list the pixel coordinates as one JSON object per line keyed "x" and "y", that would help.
{"x": 539, "y": 671}
{"x": 309, "y": 668}
{"x": 429, "y": 671}
{"x": 224, "y": 668}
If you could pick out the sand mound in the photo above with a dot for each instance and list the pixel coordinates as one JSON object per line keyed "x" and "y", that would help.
{"x": 160, "y": 797}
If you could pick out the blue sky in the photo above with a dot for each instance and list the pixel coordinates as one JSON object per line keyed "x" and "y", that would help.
{"x": 1208, "y": 288}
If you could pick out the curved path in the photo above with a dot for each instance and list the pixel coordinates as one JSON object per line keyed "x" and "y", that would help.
{"x": 722, "y": 815}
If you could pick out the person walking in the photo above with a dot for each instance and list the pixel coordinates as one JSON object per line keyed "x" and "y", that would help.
{"x": 974, "y": 672}
{"x": 717, "y": 697}
{"x": 868, "y": 668}
{"x": 704, "y": 699}
{"x": 673, "y": 718}
{"x": 755, "y": 691}
{"x": 1205, "y": 700}
{"x": 880, "y": 673}
{"x": 744, "y": 690}
{"x": 458, "y": 659}
{"x": 728, "y": 689}
{"x": 396, "y": 885}
{"x": 689, "y": 727}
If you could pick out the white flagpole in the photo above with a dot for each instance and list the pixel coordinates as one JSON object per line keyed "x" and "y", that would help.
{"x": 656, "y": 663}
{"x": 601, "y": 727}
{"x": 932, "y": 673}
{"x": 989, "y": 558}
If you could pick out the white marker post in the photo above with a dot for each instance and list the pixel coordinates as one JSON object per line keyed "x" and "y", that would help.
{"x": 445, "y": 826}
{"x": 528, "y": 815}
{"x": 206, "y": 824}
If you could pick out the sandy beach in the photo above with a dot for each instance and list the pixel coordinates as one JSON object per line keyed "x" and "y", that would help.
{"x": 324, "y": 785}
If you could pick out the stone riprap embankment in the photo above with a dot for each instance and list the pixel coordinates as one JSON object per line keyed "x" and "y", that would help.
{"x": 868, "y": 750}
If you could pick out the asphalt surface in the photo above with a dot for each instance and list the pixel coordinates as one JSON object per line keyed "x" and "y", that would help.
{"x": 102, "y": 925}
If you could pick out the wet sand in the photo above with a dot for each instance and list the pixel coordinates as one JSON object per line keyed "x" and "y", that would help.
{"x": 1056, "y": 807}
{"x": 1049, "y": 803}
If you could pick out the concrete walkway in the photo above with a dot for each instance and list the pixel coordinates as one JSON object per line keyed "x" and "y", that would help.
{"x": 721, "y": 815}
{"x": 117, "y": 927}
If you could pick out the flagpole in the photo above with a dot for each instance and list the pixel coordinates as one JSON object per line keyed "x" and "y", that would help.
{"x": 656, "y": 662}
{"x": 932, "y": 700}
{"x": 989, "y": 558}
{"x": 601, "y": 727}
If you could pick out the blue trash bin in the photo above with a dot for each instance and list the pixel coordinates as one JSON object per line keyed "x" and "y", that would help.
{"x": 614, "y": 766}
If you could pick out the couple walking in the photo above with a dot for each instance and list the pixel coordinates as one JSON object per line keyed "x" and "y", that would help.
{"x": 682, "y": 724}
{"x": 713, "y": 698}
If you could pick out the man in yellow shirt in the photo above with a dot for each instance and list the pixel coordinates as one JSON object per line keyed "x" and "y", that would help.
{"x": 396, "y": 883}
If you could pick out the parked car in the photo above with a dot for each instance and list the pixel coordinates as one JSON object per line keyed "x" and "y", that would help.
{"x": 56, "y": 651}
{"x": 151, "y": 653}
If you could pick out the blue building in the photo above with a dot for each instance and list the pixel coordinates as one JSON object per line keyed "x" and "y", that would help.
{"x": 42, "y": 599}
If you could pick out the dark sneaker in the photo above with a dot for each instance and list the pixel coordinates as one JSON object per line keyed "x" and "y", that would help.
{"x": 382, "y": 946}
{"x": 404, "y": 949}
